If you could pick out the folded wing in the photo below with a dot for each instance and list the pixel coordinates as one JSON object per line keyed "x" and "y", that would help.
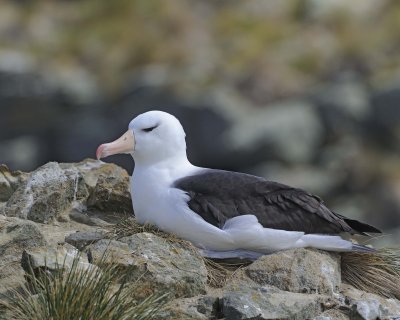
{"x": 218, "y": 196}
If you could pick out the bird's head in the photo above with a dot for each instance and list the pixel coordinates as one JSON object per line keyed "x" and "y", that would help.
{"x": 152, "y": 137}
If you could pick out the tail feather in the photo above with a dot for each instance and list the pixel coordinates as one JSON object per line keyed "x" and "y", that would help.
{"x": 361, "y": 248}
{"x": 324, "y": 242}
{"x": 359, "y": 227}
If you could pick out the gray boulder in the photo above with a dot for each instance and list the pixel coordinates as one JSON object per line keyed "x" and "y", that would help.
{"x": 53, "y": 259}
{"x": 45, "y": 195}
{"x": 107, "y": 185}
{"x": 298, "y": 270}
{"x": 203, "y": 307}
{"x": 369, "y": 306}
{"x": 333, "y": 314}
{"x": 290, "y": 131}
{"x": 344, "y": 106}
{"x": 160, "y": 265}
{"x": 246, "y": 301}
{"x": 9, "y": 182}
{"x": 53, "y": 190}
{"x": 16, "y": 236}
{"x": 82, "y": 239}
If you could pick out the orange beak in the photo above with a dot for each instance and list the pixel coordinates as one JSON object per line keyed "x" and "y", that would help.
{"x": 124, "y": 144}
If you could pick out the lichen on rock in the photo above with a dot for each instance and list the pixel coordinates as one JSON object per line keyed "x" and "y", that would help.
{"x": 159, "y": 264}
{"x": 298, "y": 270}
{"x": 52, "y": 190}
{"x": 9, "y": 182}
{"x": 45, "y": 195}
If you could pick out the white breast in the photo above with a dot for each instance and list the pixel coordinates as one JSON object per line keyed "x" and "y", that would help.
{"x": 156, "y": 201}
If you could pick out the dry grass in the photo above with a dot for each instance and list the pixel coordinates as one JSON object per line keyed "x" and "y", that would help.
{"x": 128, "y": 226}
{"x": 80, "y": 293}
{"x": 218, "y": 272}
{"x": 377, "y": 272}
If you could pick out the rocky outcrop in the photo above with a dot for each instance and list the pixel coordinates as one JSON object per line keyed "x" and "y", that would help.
{"x": 301, "y": 271}
{"x": 80, "y": 240}
{"x": 16, "y": 235}
{"x": 55, "y": 190}
{"x": 9, "y": 182}
{"x": 52, "y": 259}
{"x": 63, "y": 211}
{"x": 160, "y": 265}
{"x": 108, "y": 187}
{"x": 45, "y": 195}
{"x": 369, "y": 306}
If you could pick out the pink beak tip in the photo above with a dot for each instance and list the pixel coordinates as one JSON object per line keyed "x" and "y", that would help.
{"x": 99, "y": 151}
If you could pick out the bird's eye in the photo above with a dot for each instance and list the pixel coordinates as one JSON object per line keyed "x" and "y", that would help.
{"x": 149, "y": 129}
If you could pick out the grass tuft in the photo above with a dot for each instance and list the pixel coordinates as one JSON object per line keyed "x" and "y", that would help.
{"x": 80, "y": 293}
{"x": 377, "y": 272}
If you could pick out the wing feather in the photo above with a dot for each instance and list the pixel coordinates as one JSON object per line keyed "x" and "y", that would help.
{"x": 219, "y": 195}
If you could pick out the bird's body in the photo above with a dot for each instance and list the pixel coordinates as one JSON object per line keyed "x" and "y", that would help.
{"x": 221, "y": 211}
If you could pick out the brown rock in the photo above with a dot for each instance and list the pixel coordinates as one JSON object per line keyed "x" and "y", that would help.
{"x": 108, "y": 186}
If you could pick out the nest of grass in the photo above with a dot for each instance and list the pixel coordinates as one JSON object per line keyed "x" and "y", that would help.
{"x": 218, "y": 271}
{"x": 377, "y": 272}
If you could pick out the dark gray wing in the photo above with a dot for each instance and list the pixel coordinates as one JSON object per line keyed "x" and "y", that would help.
{"x": 219, "y": 195}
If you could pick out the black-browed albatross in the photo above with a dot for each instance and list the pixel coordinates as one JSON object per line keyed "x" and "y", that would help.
{"x": 221, "y": 211}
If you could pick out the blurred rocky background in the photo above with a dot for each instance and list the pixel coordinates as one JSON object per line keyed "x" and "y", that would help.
{"x": 304, "y": 92}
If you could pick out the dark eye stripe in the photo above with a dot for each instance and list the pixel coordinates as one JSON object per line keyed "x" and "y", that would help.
{"x": 149, "y": 129}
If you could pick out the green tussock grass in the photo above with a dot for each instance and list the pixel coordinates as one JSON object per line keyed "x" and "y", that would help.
{"x": 377, "y": 272}
{"x": 83, "y": 293}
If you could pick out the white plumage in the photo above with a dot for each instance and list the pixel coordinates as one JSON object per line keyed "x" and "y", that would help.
{"x": 160, "y": 160}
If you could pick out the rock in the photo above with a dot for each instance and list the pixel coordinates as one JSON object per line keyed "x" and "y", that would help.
{"x": 196, "y": 308}
{"x": 15, "y": 236}
{"x": 76, "y": 83}
{"x": 46, "y": 194}
{"x": 318, "y": 10}
{"x": 85, "y": 218}
{"x": 369, "y": 306}
{"x": 263, "y": 302}
{"x": 52, "y": 259}
{"x": 82, "y": 239}
{"x": 107, "y": 184}
{"x": 290, "y": 131}
{"x": 55, "y": 189}
{"x": 343, "y": 106}
{"x": 298, "y": 270}
{"x": 24, "y": 234}
{"x": 160, "y": 265}
{"x": 385, "y": 118}
{"x": 9, "y": 182}
{"x": 332, "y": 314}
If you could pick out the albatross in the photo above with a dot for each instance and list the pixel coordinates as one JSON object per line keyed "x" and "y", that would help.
{"x": 220, "y": 211}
